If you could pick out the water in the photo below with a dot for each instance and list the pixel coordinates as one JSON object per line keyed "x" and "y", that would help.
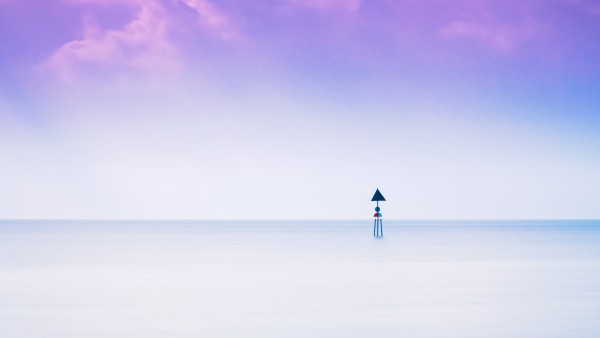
{"x": 299, "y": 279}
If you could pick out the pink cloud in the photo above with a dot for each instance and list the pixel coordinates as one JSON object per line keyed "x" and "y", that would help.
{"x": 212, "y": 19}
{"x": 493, "y": 25}
{"x": 146, "y": 43}
{"x": 501, "y": 39}
{"x": 141, "y": 44}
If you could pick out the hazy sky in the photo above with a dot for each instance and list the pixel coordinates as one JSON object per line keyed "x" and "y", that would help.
{"x": 299, "y": 108}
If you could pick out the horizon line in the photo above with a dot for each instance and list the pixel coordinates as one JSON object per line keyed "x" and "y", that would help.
{"x": 277, "y": 219}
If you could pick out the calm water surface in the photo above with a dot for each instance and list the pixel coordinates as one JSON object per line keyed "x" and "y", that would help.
{"x": 299, "y": 279}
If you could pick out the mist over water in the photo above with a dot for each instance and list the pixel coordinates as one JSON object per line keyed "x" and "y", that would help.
{"x": 299, "y": 279}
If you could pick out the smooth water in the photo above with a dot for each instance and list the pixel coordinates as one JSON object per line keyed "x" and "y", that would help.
{"x": 299, "y": 279}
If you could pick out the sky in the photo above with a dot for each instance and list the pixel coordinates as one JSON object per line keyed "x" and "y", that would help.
{"x": 299, "y": 109}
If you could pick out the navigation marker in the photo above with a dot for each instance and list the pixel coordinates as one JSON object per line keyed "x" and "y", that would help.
{"x": 378, "y": 225}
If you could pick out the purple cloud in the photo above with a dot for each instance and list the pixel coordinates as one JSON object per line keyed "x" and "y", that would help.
{"x": 84, "y": 36}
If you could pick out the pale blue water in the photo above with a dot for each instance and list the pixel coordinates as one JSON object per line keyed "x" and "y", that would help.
{"x": 300, "y": 279}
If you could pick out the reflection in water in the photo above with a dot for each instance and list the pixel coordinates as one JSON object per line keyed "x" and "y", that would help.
{"x": 299, "y": 279}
